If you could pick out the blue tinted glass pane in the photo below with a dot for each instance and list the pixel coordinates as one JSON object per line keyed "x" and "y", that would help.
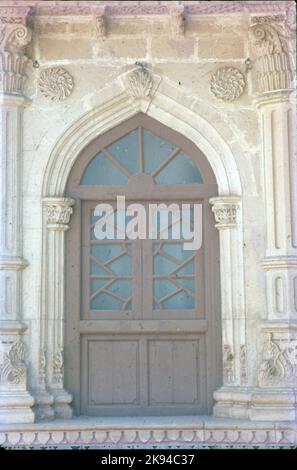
{"x": 179, "y": 301}
{"x": 106, "y": 296}
{"x": 181, "y": 170}
{"x": 156, "y": 150}
{"x": 174, "y": 276}
{"x": 114, "y": 258}
{"x": 125, "y": 150}
{"x": 102, "y": 171}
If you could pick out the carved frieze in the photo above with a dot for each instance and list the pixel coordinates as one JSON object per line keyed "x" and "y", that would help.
{"x": 227, "y": 83}
{"x": 12, "y": 363}
{"x": 56, "y": 84}
{"x": 58, "y": 212}
{"x": 139, "y": 83}
{"x": 279, "y": 361}
{"x": 270, "y": 39}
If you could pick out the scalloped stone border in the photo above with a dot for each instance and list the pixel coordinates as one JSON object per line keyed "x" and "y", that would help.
{"x": 212, "y": 433}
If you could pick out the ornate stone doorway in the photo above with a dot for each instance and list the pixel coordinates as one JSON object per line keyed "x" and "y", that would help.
{"x": 143, "y": 323}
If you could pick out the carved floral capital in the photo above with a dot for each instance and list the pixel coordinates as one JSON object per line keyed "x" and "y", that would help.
{"x": 58, "y": 212}
{"x": 225, "y": 210}
{"x": 270, "y": 37}
{"x": 14, "y": 37}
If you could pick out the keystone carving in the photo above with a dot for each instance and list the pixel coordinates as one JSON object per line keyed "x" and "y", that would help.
{"x": 139, "y": 83}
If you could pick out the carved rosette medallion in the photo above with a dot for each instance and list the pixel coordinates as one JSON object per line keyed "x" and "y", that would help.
{"x": 56, "y": 84}
{"x": 227, "y": 84}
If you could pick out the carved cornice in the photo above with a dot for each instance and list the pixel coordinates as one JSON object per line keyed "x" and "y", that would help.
{"x": 14, "y": 37}
{"x": 58, "y": 212}
{"x": 270, "y": 38}
{"x": 53, "y": 7}
{"x": 225, "y": 210}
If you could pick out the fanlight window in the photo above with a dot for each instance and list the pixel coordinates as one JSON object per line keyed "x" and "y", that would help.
{"x": 140, "y": 151}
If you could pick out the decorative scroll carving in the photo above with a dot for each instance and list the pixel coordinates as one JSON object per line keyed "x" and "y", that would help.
{"x": 227, "y": 83}
{"x": 270, "y": 40}
{"x": 58, "y": 212}
{"x": 225, "y": 210}
{"x": 58, "y": 366}
{"x": 139, "y": 83}
{"x": 13, "y": 367}
{"x": 243, "y": 364}
{"x": 177, "y": 20}
{"x": 100, "y": 22}
{"x": 56, "y": 83}
{"x": 228, "y": 360}
{"x": 279, "y": 361}
{"x": 42, "y": 366}
{"x": 13, "y": 40}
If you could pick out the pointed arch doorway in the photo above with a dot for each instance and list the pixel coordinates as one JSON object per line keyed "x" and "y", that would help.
{"x": 143, "y": 328}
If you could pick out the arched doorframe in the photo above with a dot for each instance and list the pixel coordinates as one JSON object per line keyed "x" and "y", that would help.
{"x": 165, "y": 104}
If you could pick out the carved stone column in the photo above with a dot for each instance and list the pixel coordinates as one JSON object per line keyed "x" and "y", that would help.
{"x": 231, "y": 398}
{"x": 58, "y": 211}
{"x": 277, "y": 369}
{"x": 15, "y": 401}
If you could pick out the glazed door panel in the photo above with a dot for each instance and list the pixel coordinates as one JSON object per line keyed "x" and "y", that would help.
{"x": 142, "y": 325}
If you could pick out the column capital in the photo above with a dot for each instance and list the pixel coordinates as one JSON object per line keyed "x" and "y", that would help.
{"x": 270, "y": 38}
{"x": 58, "y": 212}
{"x": 14, "y": 38}
{"x": 225, "y": 210}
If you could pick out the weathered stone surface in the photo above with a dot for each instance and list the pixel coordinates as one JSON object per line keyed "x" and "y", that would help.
{"x": 70, "y": 49}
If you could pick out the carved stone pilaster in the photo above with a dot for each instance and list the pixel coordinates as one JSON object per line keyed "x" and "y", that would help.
{"x": 58, "y": 211}
{"x": 270, "y": 39}
{"x": 225, "y": 211}
{"x": 15, "y": 400}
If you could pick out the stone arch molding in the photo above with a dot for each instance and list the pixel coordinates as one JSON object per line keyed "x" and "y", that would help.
{"x": 136, "y": 91}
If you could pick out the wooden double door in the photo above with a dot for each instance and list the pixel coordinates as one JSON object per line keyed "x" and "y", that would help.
{"x": 142, "y": 333}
